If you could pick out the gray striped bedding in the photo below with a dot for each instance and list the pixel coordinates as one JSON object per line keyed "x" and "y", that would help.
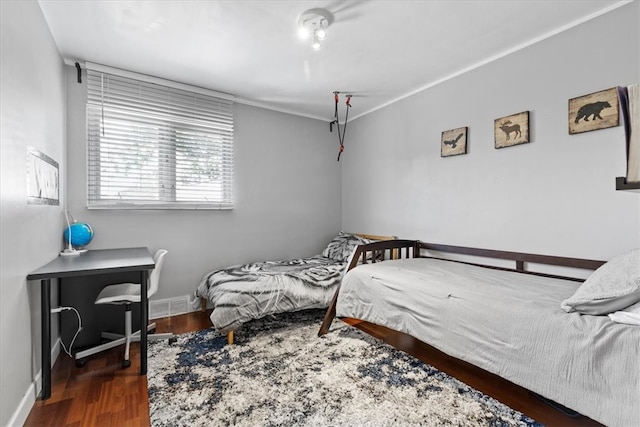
{"x": 250, "y": 291}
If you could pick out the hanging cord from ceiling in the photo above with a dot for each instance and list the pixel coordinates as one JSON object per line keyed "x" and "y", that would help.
{"x": 336, "y": 121}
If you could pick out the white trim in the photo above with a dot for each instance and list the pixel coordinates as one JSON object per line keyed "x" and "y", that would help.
{"x": 35, "y": 387}
{"x": 408, "y": 94}
{"x": 279, "y": 110}
{"x": 152, "y": 206}
{"x": 24, "y": 408}
{"x": 500, "y": 55}
{"x": 31, "y": 394}
{"x": 178, "y": 85}
{"x": 150, "y": 79}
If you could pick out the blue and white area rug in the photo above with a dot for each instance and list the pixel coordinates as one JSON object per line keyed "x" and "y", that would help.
{"x": 279, "y": 373}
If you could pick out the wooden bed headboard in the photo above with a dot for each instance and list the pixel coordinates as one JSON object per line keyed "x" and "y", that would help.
{"x": 375, "y": 236}
{"x": 383, "y": 250}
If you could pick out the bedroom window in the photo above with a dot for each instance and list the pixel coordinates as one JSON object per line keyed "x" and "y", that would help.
{"x": 157, "y": 146}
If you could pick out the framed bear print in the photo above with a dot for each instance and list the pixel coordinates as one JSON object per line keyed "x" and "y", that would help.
{"x": 598, "y": 110}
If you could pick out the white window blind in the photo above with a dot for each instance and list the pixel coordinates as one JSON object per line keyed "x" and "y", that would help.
{"x": 153, "y": 146}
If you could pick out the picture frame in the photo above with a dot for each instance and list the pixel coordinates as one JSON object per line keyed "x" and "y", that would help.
{"x": 597, "y": 110}
{"x": 42, "y": 179}
{"x": 453, "y": 142}
{"x": 511, "y": 130}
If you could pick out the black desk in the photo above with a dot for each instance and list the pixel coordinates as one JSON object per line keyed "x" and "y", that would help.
{"x": 100, "y": 261}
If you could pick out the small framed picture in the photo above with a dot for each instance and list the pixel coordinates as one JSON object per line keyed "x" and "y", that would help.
{"x": 453, "y": 142}
{"x": 42, "y": 179}
{"x": 511, "y": 130}
{"x": 598, "y": 110}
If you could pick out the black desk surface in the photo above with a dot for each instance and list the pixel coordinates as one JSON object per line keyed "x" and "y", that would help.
{"x": 96, "y": 261}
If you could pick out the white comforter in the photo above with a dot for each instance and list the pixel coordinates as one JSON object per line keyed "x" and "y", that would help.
{"x": 510, "y": 324}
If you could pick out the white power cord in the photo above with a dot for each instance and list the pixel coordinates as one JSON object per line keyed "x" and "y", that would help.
{"x": 58, "y": 310}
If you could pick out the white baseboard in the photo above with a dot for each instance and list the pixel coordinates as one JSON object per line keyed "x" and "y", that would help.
{"x": 157, "y": 308}
{"x": 22, "y": 412}
{"x": 29, "y": 398}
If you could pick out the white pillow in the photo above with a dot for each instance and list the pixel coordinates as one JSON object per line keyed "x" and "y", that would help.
{"x": 613, "y": 286}
{"x": 628, "y": 316}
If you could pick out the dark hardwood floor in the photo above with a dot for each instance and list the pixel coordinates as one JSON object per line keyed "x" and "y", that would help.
{"x": 103, "y": 394}
{"x": 506, "y": 392}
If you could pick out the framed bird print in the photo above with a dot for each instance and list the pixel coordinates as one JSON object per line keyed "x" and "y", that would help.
{"x": 453, "y": 142}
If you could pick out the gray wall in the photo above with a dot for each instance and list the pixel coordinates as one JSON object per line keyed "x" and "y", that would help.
{"x": 287, "y": 199}
{"x": 32, "y": 113}
{"x": 555, "y": 195}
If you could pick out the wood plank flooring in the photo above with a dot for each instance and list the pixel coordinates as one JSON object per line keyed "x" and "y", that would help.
{"x": 103, "y": 394}
{"x": 500, "y": 389}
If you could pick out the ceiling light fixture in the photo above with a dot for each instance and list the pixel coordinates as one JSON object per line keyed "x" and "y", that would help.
{"x": 315, "y": 43}
{"x": 321, "y": 32}
{"x": 314, "y": 23}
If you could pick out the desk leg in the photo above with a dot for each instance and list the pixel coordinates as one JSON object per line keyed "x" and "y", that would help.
{"x": 144, "y": 320}
{"x": 45, "y": 308}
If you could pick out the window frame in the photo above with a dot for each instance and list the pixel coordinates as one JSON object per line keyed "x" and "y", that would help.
{"x": 167, "y": 147}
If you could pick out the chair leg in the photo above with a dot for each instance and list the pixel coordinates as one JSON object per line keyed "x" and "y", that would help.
{"x": 127, "y": 333}
{"x": 126, "y": 339}
{"x": 230, "y": 337}
{"x": 117, "y": 340}
{"x": 111, "y": 336}
{"x": 100, "y": 348}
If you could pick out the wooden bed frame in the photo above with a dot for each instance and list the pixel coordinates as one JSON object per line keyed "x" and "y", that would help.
{"x": 397, "y": 249}
{"x": 230, "y": 334}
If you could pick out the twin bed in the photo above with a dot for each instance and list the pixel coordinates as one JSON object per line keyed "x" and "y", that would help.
{"x": 544, "y": 330}
{"x": 241, "y": 293}
{"x": 509, "y": 321}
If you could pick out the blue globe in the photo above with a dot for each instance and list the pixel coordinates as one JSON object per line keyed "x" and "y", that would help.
{"x": 81, "y": 234}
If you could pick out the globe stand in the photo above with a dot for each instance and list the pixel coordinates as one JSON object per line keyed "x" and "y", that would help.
{"x": 73, "y": 252}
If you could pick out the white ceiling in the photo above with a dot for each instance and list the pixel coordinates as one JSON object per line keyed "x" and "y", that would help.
{"x": 377, "y": 50}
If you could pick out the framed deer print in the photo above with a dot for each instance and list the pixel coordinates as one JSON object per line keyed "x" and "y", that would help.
{"x": 453, "y": 142}
{"x": 595, "y": 111}
{"x": 511, "y": 130}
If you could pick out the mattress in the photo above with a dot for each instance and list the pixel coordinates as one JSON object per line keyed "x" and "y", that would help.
{"x": 507, "y": 323}
{"x": 250, "y": 291}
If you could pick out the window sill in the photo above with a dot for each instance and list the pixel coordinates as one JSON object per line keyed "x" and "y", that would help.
{"x": 155, "y": 206}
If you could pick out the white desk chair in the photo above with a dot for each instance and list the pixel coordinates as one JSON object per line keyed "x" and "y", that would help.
{"x": 127, "y": 294}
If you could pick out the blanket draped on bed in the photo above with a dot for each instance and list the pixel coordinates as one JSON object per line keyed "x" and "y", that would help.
{"x": 250, "y": 291}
